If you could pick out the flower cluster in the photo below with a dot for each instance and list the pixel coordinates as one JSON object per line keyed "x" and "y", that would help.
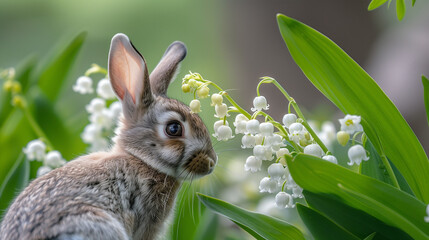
{"x": 36, "y": 150}
{"x": 103, "y": 117}
{"x": 273, "y": 141}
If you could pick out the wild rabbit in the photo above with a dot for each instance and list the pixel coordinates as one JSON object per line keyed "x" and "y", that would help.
{"x": 127, "y": 192}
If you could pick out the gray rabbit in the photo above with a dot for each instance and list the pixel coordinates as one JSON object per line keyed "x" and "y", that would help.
{"x": 127, "y": 192}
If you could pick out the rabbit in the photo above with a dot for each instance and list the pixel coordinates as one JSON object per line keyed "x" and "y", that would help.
{"x": 129, "y": 191}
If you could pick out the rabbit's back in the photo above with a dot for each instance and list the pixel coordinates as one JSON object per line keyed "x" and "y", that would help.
{"x": 98, "y": 196}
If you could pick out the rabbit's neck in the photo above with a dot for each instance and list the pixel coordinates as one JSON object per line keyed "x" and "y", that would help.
{"x": 148, "y": 197}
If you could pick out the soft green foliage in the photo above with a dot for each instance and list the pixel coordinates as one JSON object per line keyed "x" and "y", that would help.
{"x": 264, "y": 226}
{"x": 355, "y": 221}
{"x": 321, "y": 226}
{"x": 378, "y": 199}
{"x": 425, "y": 83}
{"x": 400, "y": 6}
{"x": 349, "y": 87}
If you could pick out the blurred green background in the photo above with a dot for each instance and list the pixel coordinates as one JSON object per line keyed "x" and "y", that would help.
{"x": 230, "y": 42}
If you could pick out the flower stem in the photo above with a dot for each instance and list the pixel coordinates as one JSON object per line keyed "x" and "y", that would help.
{"x": 36, "y": 128}
{"x": 297, "y": 110}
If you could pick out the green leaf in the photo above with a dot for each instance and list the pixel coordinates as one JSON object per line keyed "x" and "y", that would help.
{"x": 187, "y": 216}
{"x": 375, "y": 4}
{"x": 54, "y": 75}
{"x": 16, "y": 180}
{"x": 400, "y": 9}
{"x": 249, "y": 230}
{"x": 349, "y": 87}
{"x": 375, "y": 167}
{"x": 356, "y": 221}
{"x": 208, "y": 227}
{"x": 265, "y": 226}
{"x": 371, "y": 236}
{"x": 381, "y": 200}
{"x": 322, "y": 227}
{"x": 425, "y": 83}
{"x": 413, "y": 2}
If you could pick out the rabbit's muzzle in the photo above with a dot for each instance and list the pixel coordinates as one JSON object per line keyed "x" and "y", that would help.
{"x": 201, "y": 164}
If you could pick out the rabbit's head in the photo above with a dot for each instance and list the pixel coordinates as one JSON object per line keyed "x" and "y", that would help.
{"x": 160, "y": 131}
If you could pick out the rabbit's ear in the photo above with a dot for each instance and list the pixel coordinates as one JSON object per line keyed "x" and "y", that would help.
{"x": 162, "y": 75}
{"x": 128, "y": 74}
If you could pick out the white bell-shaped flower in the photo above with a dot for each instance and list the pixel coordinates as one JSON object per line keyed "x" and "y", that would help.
{"x": 83, "y": 85}
{"x": 217, "y": 99}
{"x": 105, "y": 90}
{"x": 259, "y": 103}
{"x": 35, "y": 150}
{"x": 297, "y": 192}
{"x": 92, "y": 133}
{"x": 290, "y": 183}
{"x": 253, "y": 164}
{"x": 275, "y": 141}
{"x": 248, "y": 141}
{"x": 284, "y": 200}
{"x": 96, "y": 105}
{"x": 281, "y": 152}
{"x": 115, "y": 110}
{"x": 203, "y": 92}
{"x": 330, "y": 158}
{"x": 252, "y": 126}
{"x": 221, "y": 110}
{"x": 258, "y": 139}
{"x": 263, "y": 152}
{"x": 103, "y": 118}
{"x": 314, "y": 149}
{"x": 268, "y": 185}
{"x": 288, "y": 119}
{"x": 296, "y": 127}
{"x": 266, "y": 129}
{"x": 356, "y": 154}
{"x": 276, "y": 171}
{"x": 195, "y": 106}
{"x": 43, "y": 170}
{"x": 351, "y": 124}
{"x": 224, "y": 133}
{"x": 54, "y": 159}
{"x": 240, "y": 124}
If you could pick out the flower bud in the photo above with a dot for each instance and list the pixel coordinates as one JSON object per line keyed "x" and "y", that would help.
{"x": 343, "y": 138}
{"x": 192, "y": 83}
{"x": 288, "y": 119}
{"x": 217, "y": 99}
{"x": 186, "y": 88}
{"x": 203, "y": 92}
{"x": 19, "y": 101}
{"x": 7, "y": 86}
{"x": 313, "y": 149}
{"x": 195, "y": 106}
{"x": 330, "y": 158}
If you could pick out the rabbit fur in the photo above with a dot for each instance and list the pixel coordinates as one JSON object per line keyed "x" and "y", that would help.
{"x": 127, "y": 192}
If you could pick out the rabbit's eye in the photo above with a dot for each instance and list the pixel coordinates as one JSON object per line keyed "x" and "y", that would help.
{"x": 174, "y": 129}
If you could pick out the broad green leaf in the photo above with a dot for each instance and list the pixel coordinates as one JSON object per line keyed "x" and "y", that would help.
{"x": 249, "y": 230}
{"x": 425, "y": 83}
{"x": 413, "y": 2}
{"x": 208, "y": 227}
{"x": 400, "y": 9}
{"x": 381, "y": 200}
{"x": 187, "y": 215}
{"x": 53, "y": 76}
{"x": 356, "y": 221}
{"x": 371, "y": 236}
{"x": 16, "y": 180}
{"x": 375, "y": 167}
{"x": 349, "y": 87}
{"x": 375, "y": 4}
{"x": 265, "y": 226}
{"x": 322, "y": 227}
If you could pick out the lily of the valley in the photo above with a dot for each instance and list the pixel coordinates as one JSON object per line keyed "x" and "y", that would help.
{"x": 356, "y": 154}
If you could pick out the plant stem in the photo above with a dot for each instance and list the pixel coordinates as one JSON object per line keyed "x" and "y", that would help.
{"x": 389, "y": 170}
{"x": 36, "y": 128}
